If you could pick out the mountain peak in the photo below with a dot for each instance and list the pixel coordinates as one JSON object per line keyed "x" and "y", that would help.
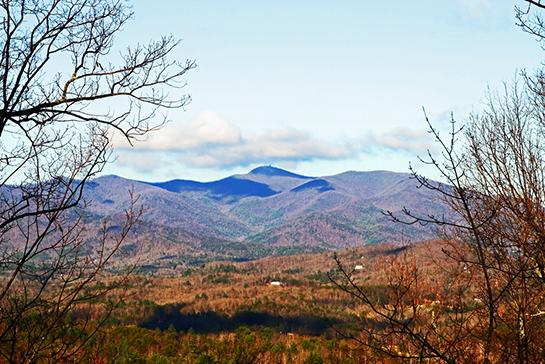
{"x": 274, "y": 171}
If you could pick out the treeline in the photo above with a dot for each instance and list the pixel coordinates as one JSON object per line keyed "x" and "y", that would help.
{"x": 131, "y": 344}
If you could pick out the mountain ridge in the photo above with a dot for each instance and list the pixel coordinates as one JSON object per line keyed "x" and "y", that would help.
{"x": 268, "y": 211}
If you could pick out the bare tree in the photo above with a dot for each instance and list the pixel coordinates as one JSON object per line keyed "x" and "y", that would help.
{"x": 415, "y": 320}
{"x": 493, "y": 169}
{"x": 64, "y": 94}
{"x": 493, "y": 174}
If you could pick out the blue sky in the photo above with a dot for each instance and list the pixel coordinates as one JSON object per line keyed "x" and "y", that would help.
{"x": 320, "y": 87}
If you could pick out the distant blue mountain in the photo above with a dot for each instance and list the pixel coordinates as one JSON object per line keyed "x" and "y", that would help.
{"x": 273, "y": 171}
{"x": 180, "y": 185}
{"x": 320, "y": 185}
{"x": 230, "y": 187}
{"x": 265, "y": 211}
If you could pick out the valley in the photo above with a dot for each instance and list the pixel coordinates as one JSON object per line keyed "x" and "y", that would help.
{"x": 228, "y": 311}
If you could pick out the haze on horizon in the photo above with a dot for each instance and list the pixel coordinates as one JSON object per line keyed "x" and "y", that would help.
{"x": 320, "y": 88}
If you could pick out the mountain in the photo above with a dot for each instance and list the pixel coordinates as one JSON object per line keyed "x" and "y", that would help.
{"x": 267, "y": 211}
{"x": 230, "y": 188}
{"x": 273, "y": 171}
{"x": 320, "y": 185}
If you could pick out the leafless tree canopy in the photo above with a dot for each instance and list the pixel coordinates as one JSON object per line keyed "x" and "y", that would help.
{"x": 493, "y": 166}
{"x": 65, "y": 91}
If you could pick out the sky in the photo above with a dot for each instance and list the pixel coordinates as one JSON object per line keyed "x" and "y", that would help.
{"x": 320, "y": 87}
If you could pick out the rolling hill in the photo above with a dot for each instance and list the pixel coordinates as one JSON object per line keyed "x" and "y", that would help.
{"x": 268, "y": 211}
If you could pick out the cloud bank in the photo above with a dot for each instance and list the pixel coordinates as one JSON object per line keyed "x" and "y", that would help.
{"x": 213, "y": 142}
{"x": 207, "y": 131}
{"x": 410, "y": 141}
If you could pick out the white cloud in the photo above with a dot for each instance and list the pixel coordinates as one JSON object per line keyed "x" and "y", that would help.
{"x": 212, "y": 142}
{"x": 288, "y": 145}
{"x": 207, "y": 129}
{"x": 407, "y": 140}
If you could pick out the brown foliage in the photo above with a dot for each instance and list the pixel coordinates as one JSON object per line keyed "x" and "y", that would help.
{"x": 54, "y": 137}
